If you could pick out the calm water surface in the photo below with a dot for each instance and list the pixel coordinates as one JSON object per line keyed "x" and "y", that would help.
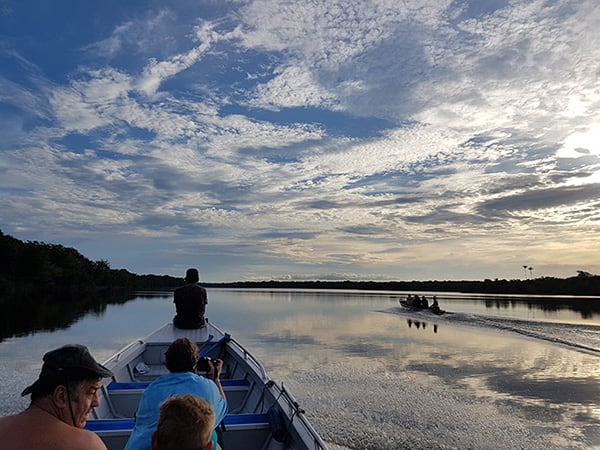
{"x": 499, "y": 373}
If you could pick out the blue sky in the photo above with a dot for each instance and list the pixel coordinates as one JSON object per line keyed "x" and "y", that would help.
{"x": 379, "y": 139}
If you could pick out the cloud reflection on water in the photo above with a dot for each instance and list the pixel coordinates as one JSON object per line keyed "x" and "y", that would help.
{"x": 369, "y": 380}
{"x": 550, "y": 390}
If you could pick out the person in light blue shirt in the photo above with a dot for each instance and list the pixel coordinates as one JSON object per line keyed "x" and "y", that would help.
{"x": 181, "y": 360}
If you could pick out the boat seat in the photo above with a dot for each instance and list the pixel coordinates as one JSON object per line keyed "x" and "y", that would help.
{"x": 109, "y": 425}
{"x": 232, "y": 421}
{"x": 118, "y": 386}
{"x": 238, "y": 421}
{"x": 255, "y": 428}
{"x": 114, "y": 432}
{"x": 247, "y": 431}
{"x": 125, "y": 397}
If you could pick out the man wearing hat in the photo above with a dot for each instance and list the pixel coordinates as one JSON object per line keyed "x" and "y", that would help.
{"x": 61, "y": 400}
{"x": 190, "y": 302}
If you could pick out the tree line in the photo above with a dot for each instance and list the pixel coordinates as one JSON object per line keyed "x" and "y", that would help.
{"x": 57, "y": 270}
{"x": 583, "y": 284}
{"x": 48, "y": 286}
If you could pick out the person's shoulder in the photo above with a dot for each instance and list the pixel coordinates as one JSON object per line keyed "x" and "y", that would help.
{"x": 180, "y": 377}
{"x": 201, "y": 289}
{"x": 166, "y": 381}
{"x": 7, "y": 425}
{"x": 205, "y": 385}
{"x": 6, "y": 419}
{"x": 189, "y": 287}
{"x": 90, "y": 440}
{"x": 160, "y": 381}
{"x": 72, "y": 438}
{"x": 181, "y": 288}
{"x": 194, "y": 379}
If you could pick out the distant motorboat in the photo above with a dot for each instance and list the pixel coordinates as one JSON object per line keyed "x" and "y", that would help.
{"x": 437, "y": 311}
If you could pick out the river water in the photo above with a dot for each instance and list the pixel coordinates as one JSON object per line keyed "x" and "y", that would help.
{"x": 494, "y": 373}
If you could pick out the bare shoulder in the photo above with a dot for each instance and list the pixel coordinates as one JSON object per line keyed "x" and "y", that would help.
{"x": 88, "y": 440}
{"x": 9, "y": 426}
{"x": 10, "y": 434}
{"x": 70, "y": 438}
{"x": 5, "y": 421}
{"x": 19, "y": 432}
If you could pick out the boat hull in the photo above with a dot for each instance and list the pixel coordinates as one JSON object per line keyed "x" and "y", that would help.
{"x": 250, "y": 392}
{"x": 437, "y": 312}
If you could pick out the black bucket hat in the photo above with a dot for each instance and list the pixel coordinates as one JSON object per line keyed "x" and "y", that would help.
{"x": 72, "y": 359}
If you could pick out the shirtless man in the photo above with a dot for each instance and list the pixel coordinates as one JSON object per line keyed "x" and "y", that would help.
{"x": 61, "y": 400}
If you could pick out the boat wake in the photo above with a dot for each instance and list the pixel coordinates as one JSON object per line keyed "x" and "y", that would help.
{"x": 584, "y": 338}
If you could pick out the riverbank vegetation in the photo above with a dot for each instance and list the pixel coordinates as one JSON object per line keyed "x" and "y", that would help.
{"x": 47, "y": 286}
{"x": 583, "y": 284}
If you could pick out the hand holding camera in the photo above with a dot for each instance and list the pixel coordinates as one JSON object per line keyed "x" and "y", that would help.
{"x": 209, "y": 367}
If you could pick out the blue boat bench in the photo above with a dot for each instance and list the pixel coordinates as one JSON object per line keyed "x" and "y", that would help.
{"x": 125, "y": 397}
{"x": 233, "y": 421}
{"x": 240, "y": 430}
{"x": 227, "y": 383}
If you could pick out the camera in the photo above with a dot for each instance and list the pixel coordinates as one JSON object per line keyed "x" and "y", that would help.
{"x": 205, "y": 366}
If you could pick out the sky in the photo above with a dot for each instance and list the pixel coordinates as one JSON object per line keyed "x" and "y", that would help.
{"x": 302, "y": 140}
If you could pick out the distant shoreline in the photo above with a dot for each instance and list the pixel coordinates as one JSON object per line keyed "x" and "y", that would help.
{"x": 575, "y": 286}
{"x": 34, "y": 270}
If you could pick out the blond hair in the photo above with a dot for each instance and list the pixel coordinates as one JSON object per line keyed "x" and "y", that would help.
{"x": 185, "y": 423}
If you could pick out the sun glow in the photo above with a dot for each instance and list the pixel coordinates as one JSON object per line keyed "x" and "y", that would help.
{"x": 580, "y": 143}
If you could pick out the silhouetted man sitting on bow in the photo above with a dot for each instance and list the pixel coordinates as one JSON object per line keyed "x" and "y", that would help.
{"x": 190, "y": 302}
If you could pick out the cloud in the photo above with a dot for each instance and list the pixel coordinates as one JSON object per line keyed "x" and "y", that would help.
{"x": 153, "y": 32}
{"x": 540, "y": 199}
{"x": 292, "y": 87}
{"x": 344, "y": 56}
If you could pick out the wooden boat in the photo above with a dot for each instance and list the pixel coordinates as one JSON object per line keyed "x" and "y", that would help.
{"x": 250, "y": 393}
{"x": 437, "y": 312}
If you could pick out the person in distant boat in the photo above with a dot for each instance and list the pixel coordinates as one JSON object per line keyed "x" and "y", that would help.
{"x": 424, "y": 303}
{"x": 190, "y": 302}
{"x": 181, "y": 359}
{"x": 435, "y": 307}
{"x": 61, "y": 400}
{"x": 185, "y": 422}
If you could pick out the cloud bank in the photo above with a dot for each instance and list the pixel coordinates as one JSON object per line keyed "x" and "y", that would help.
{"x": 315, "y": 139}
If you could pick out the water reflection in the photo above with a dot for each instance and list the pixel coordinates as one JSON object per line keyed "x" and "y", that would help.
{"x": 369, "y": 376}
{"x": 26, "y": 315}
{"x": 420, "y": 324}
{"x": 587, "y": 308}
{"x": 584, "y": 310}
{"x": 48, "y": 312}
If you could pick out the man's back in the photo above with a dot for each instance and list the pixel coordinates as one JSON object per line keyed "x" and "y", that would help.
{"x": 36, "y": 429}
{"x": 190, "y": 303}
